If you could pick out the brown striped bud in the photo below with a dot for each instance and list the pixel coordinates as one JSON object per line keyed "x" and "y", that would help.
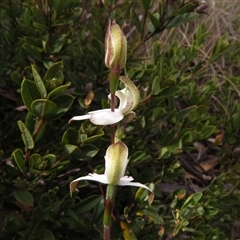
{"x": 115, "y": 46}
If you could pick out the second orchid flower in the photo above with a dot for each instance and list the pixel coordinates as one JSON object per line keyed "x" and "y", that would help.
{"x": 129, "y": 98}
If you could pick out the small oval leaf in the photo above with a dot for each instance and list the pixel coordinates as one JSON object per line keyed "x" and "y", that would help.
{"x": 57, "y": 91}
{"x": 29, "y": 92}
{"x": 26, "y": 135}
{"x": 18, "y": 160}
{"x": 44, "y": 108}
{"x": 23, "y": 196}
{"x": 39, "y": 82}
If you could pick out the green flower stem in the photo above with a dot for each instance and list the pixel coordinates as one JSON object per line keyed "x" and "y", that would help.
{"x": 114, "y": 75}
{"x": 112, "y": 132}
{"x": 110, "y": 196}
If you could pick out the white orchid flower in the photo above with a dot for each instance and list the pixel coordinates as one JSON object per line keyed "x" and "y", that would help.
{"x": 116, "y": 161}
{"x": 129, "y": 98}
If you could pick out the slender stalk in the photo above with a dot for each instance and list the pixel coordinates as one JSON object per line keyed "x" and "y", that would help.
{"x": 112, "y": 127}
{"x": 110, "y": 196}
{"x": 114, "y": 75}
{"x": 40, "y": 123}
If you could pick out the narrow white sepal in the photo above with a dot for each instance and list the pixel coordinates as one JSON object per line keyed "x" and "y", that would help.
{"x": 93, "y": 177}
{"x": 79, "y": 118}
{"x": 126, "y": 181}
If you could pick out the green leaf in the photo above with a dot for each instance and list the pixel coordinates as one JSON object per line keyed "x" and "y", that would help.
{"x": 187, "y": 8}
{"x": 35, "y": 161}
{"x": 23, "y": 196}
{"x": 136, "y": 20}
{"x": 41, "y": 26}
{"x": 138, "y": 157}
{"x": 54, "y": 75}
{"x": 57, "y": 91}
{"x": 63, "y": 102}
{"x": 58, "y": 44}
{"x": 37, "y": 13}
{"x": 207, "y": 131}
{"x": 72, "y": 150}
{"x": 54, "y": 4}
{"x": 44, "y": 108}
{"x": 26, "y": 136}
{"x": 154, "y": 20}
{"x": 181, "y": 19}
{"x": 88, "y": 151}
{"x": 98, "y": 46}
{"x": 156, "y": 86}
{"x": 31, "y": 50}
{"x": 29, "y": 92}
{"x": 169, "y": 137}
{"x": 46, "y": 234}
{"x": 152, "y": 214}
{"x": 13, "y": 223}
{"x": 140, "y": 194}
{"x": 30, "y": 122}
{"x": 184, "y": 113}
{"x": 39, "y": 82}
{"x": 192, "y": 200}
{"x": 49, "y": 159}
{"x": 18, "y": 160}
{"x": 196, "y": 197}
{"x": 128, "y": 234}
{"x": 86, "y": 140}
{"x": 16, "y": 78}
{"x": 146, "y": 4}
{"x": 70, "y": 137}
{"x": 186, "y": 229}
{"x": 169, "y": 91}
{"x": 87, "y": 204}
{"x": 163, "y": 151}
{"x": 220, "y": 47}
{"x": 26, "y": 17}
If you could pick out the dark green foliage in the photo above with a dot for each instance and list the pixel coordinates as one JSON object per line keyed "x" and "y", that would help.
{"x": 52, "y": 68}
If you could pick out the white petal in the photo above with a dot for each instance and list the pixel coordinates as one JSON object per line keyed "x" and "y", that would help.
{"x": 101, "y": 117}
{"x": 125, "y": 181}
{"x": 106, "y": 117}
{"x": 78, "y": 118}
{"x": 101, "y": 110}
{"x": 122, "y": 98}
{"x": 92, "y": 177}
{"x": 132, "y": 93}
{"x": 126, "y": 100}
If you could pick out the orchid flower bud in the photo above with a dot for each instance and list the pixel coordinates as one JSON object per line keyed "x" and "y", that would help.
{"x": 115, "y": 46}
{"x": 116, "y": 161}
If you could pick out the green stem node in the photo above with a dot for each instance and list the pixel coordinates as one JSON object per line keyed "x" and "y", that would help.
{"x": 110, "y": 196}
